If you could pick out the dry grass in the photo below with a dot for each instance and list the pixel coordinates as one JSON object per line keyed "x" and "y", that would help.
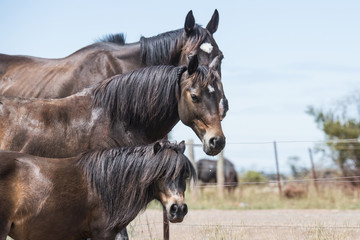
{"x": 265, "y": 197}
{"x": 261, "y": 213}
{"x": 253, "y": 224}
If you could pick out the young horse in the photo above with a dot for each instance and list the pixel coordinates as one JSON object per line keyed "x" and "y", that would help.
{"x": 135, "y": 108}
{"x": 25, "y": 76}
{"x": 93, "y": 195}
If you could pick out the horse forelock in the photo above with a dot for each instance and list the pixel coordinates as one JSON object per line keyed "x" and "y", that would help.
{"x": 170, "y": 162}
{"x": 195, "y": 39}
{"x": 204, "y": 77}
{"x": 123, "y": 178}
{"x": 139, "y": 97}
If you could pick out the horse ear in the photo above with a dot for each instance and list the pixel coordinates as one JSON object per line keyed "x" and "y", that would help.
{"x": 215, "y": 63}
{"x": 193, "y": 64}
{"x": 189, "y": 22}
{"x": 157, "y": 147}
{"x": 182, "y": 146}
{"x": 214, "y": 22}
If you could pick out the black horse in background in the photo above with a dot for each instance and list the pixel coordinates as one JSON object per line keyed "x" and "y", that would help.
{"x": 206, "y": 170}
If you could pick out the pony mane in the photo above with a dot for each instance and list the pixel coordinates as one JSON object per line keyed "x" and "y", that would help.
{"x": 118, "y": 38}
{"x": 124, "y": 177}
{"x": 155, "y": 85}
{"x": 166, "y": 47}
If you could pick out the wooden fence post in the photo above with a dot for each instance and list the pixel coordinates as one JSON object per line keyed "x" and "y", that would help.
{"x": 191, "y": 156}
{"x": 220, "y": 174}
{"x": 313, "y": 171}
{"x": 166, "y": 225}
{"x": 277, "y": 168}
{"x": 190, "y": 151}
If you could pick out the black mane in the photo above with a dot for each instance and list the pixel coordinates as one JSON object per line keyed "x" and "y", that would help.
{"x": 123, "y": 95}
{"x": 123, "y": 177}
{"x": 160, "y": 49}
{"x": 166, "y": 47}
{"x": 118, "y": 38}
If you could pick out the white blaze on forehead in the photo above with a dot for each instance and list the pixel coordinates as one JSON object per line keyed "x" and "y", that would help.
{"x": 221, "y": 107}
{"x": 211, "y": 89}
{"x": 206, "y": 47}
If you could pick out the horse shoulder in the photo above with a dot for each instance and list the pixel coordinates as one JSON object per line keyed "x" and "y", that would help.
{"x": 11, "y": 191}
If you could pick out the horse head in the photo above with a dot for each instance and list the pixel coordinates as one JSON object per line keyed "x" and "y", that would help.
{"x": 171, "y": 187}
{"x": 200, "y": 104}
{"x": 200, "y": 41}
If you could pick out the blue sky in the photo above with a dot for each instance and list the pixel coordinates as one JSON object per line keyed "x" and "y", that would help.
{"x": 280, "y": 57}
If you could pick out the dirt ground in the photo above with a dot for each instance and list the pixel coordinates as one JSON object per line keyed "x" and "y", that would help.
{"x": 252, "y": 224}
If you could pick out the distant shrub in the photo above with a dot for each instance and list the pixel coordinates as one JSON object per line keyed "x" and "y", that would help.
{"x": 294, "y": 191}
{"x": 253, "y": 176}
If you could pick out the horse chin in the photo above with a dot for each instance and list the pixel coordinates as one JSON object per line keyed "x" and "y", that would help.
{"x": 175, "y": 219}
{"x": 209, "y": 150}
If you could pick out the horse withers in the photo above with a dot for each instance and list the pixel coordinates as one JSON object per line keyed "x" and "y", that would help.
{"x": 93, "y": 195}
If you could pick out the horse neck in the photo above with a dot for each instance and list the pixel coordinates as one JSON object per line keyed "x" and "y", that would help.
{"x": 165, "y": 48}
{"x": 155, "y": 129}
{"x": 108, "y": 174}
{"x": 142, "y": 111}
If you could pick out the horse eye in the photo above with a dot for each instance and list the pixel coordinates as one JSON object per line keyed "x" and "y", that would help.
{"x": 194, "y": 98}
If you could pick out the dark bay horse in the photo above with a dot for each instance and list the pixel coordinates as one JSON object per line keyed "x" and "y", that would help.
{"x": 26, "y": 76}
{"x": 92, "y": 195}
{"x": 206, "y": 171}
{"x": 139, "y": 107}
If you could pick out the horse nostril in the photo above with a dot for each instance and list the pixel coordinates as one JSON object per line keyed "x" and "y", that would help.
{"x": 184, "y": 208}
{"x": 212, "y": 142}
{"x": 217, "y": 142}
{"x": 174, "y": 209}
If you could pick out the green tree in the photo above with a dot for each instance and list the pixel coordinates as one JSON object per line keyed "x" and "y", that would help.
{"x": 297, "y": 171}
{"x": 341, "y": 126}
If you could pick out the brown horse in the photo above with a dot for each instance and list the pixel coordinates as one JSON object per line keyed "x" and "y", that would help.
{"x": 135, "y": 108}
{"x": 93, "y": 195}
{"x": 25, "y": 76}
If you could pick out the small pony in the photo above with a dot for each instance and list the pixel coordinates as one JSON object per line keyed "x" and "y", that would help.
{"x": 93, "y": 195}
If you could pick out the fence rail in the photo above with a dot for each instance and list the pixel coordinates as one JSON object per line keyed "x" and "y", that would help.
{"x": 314, "y": 179}
{"x": 250, "y": 226}
{"x": 352, "y": 140}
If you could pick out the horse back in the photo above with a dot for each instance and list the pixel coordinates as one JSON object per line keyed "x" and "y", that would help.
{"x": 27, "y": 76}
{"x": 51, "y": 127}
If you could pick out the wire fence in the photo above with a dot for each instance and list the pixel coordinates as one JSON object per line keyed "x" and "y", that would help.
{"x": 249, "y": 226}
{"x": 305, "y": 180}
{"x": 320, "y": 180}
{"x": 352, "y": 140}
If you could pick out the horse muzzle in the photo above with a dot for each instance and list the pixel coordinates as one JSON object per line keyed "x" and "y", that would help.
{"x": 176, "y": 213}
{"x": 214, "y": 145}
